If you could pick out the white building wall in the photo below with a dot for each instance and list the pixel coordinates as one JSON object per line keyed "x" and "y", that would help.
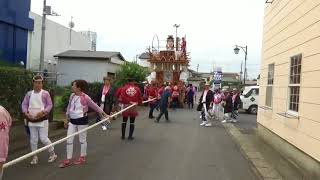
{"x": 57, "y": 41}
{"x": 117, "y": 60}
{"x": 89, "y": 70}
{"x": 144, "y": 63}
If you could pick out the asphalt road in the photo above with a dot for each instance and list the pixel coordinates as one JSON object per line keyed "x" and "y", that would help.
{"x": 180, "y": 150}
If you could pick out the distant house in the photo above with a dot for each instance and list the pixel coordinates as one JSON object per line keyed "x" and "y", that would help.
{"x": 91, "y": 66}
{"x": 143, "y": 59}
{"x": 195, "y": 79}
{"x": 231, "y": 79}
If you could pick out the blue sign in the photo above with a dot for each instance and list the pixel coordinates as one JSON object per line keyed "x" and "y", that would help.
{"x": 218, "y": 77}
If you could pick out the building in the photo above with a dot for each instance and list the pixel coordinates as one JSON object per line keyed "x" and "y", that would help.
{"x": 58, "y": 39}
{"x": 93, "y": 38}
{"x": 195, "y": 79}
{"x": 289, "y": 82}
{"x": 91, "y": 66}
{"x": 144, "y": 59}
{"x": 14, "y": 26}
{"x": 231, "y": 80}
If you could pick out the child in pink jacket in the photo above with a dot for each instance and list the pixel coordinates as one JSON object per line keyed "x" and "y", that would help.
{"x": 5, "y": 124}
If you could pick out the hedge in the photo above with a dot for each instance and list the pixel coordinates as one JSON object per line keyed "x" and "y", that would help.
{"x": 14, "y": 83}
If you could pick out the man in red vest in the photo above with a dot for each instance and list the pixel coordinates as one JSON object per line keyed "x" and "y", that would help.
{"x": 130, "y": 94}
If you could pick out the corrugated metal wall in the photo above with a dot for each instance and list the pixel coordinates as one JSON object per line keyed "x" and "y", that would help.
{"x": 14, "y": 26}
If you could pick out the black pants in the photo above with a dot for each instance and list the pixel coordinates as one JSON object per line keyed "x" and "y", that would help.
{"x": 124, "y": 125}
{"x": 190, "y": 102}
{"x": 152, "y": 107}
{"x": 163, "y": 110}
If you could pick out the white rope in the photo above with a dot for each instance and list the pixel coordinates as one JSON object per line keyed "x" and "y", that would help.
{"x": 17, "y": 160}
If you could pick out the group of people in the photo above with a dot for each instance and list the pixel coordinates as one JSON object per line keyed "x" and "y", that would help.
{"x": 218, "y": 105}
{"x": 180, "y": 94}
{"x": 37, "y": 105}
{"x": 166, "y": 95}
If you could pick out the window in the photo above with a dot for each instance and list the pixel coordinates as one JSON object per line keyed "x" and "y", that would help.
{"x": 252, "y": 92}
{"x": 269, "y": 90}
{"x": 294, "y": 85}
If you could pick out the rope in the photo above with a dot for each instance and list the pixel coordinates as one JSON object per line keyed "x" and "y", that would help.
{"x": 26, "y": 156}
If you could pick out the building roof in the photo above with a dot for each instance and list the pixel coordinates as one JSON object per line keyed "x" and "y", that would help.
{"x": 144, "y": 55}
{"x": 89, "y": 54}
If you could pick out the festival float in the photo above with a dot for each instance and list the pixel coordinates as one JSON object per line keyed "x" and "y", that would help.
{"x": 170, "y": 63}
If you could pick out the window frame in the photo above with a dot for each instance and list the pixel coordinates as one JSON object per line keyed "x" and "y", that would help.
{"x": 291, "y": 85}
{"x": 270, "y": 84}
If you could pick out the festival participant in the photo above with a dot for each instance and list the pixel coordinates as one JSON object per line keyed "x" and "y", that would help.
{"x": 107, "y": 100}
{"x": 217, "y": 99}
{"x": 163, "y": 104}
{"x": 5, "y": 124}
{"x": 36, "y": 106}
{"x": 153, "y": 93}
{"x": 227, "y": 105}
{"x": 77, "y": 120}
{"x": 190, "y": 96}
{"x": 175, "y": 96}
{"x": 161, "y": 90}
{"x": 130, "y": 94}
{"x": 204, "y": 105}
{"x": 182, "y": 94}
{"x": 236, "y": 103}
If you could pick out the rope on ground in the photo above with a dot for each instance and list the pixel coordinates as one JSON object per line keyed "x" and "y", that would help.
{"x": 26, "y": 156}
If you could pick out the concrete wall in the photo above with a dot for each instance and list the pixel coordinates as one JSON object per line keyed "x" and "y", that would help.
{"x": 57, "y": 41}
{"x": 89, "y": 70}
{"x": 292, "y": 27}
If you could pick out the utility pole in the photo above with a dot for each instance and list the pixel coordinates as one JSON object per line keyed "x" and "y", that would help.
{"x": 43, "y": 34}
{"x": 46, "y": 11}
{"x": 241, "y": 72}
{"x": 177, "y": 43}
{"x": 245, "y": 65}
{"x": 71, "y": 25}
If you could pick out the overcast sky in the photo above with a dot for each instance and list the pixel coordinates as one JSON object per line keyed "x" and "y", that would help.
{"x": 212, "y": 27}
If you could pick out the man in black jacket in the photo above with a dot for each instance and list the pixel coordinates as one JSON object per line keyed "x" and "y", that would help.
{"x": 107, "y": 99}
{"x": 204, "y": 104}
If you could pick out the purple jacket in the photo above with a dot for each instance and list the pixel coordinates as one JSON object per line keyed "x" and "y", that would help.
{"x": 46, "y": 99}
{"x": 87, "y": 102}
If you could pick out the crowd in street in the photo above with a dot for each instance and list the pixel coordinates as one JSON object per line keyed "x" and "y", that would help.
{"x": 37, "y": 104}
{"x": 219, "y": 105}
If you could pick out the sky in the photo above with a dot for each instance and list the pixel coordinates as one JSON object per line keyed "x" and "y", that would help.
{"x": 212, "y": 27}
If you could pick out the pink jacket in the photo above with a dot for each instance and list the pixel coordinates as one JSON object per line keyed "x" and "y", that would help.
{"x": 87, "y": 102}
{"x": 5, "y": 124}
{"x": 46, "y": 99}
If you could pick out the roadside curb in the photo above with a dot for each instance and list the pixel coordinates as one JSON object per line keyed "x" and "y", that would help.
{"x": 257, "y": 162}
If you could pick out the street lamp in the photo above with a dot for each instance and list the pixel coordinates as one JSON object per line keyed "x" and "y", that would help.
{"x": 245, "y": 50}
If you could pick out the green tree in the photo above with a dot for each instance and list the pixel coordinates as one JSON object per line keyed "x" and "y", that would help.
{"x": 130, "y": 70}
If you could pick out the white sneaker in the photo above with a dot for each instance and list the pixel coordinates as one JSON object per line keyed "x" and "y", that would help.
{"x": 208, "y": 124}
{"x": 224, "y": 121}
{"x": 234, "y": 120}
{"x": 203, "y": 123}
{"x": 34, "y": 160}
{"x": 52, "y": 158}
{"x": 104, "y": 128}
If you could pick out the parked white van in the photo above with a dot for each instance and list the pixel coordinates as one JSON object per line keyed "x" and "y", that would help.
{"x": 250, "y": 99}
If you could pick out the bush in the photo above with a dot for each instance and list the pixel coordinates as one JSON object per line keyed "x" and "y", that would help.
{"x": 14, "y": 83}
{"x": 132, "y": 70}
